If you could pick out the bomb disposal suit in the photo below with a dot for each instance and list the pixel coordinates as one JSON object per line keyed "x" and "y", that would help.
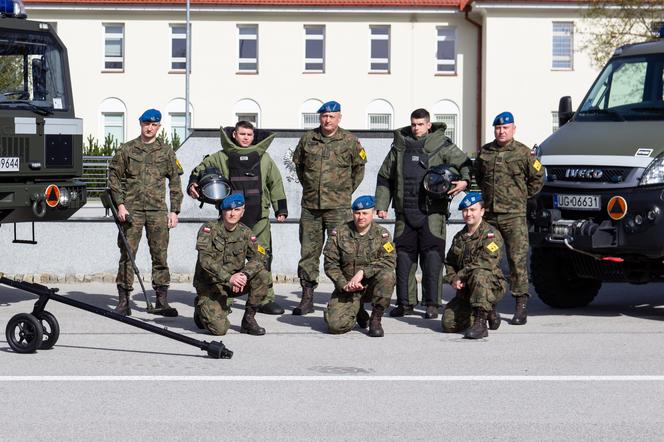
{"x": 599, "y": 217}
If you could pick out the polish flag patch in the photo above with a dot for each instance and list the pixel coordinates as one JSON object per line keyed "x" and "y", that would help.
{"x": 490, "y": 235}
{"x": 206, "y": 229}
{"x": 253, "y": 239}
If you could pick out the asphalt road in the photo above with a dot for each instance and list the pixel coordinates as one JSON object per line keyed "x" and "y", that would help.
{"x": 585, "y": 374}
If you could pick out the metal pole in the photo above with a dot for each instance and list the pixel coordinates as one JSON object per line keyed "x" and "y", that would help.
{"x": 187, "y": 116}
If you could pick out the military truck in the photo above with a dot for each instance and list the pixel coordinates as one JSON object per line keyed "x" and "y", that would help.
{"x": 600, "y": 215}
{"x": 41, "y": 141}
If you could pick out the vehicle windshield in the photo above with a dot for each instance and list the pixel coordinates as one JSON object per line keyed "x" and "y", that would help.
{"x": 31, "y": 71}
{"x": 628, "y": 88}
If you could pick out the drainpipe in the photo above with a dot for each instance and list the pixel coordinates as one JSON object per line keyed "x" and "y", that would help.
{"x": 480, "y": 48}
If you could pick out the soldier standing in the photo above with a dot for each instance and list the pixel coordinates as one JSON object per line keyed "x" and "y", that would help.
{"x": 244, "y": 160}
{"x": 420, "y": 219}
{"x": 136, "y": 178}
{"x": 230, "y": 264}
{"x": 329, "y": 162}
{"x": 508, "y": 174}
{"x": 360, "y": 260}
{"x": 472, "y": 269}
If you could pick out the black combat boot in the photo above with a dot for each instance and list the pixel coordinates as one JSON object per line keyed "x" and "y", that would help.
{"x": 306, "y": 303}
{"x": 249, "y": 324}
{"x": 162, "y": 298}
{"x": 478, "y": 330}
{"x": 432, "y": 312}
{"x": 401, "y": 310}
{"x": 362, "y": 317}
{"x": 521, "y": 311}
{"x": 375, "y": 328}
{"x": 494, "y": 319}
{"x": 123, "y": 304}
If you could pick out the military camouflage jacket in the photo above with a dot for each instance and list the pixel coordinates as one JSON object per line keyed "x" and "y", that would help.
{"x": 347, "y": 252}
{"x": 329, "y": 168}
{"x": 389, "y": 184}
{"x": 222, "y": 253}
{"x": 508, "y": 176}
{"x": 137, "y": 173}
{"x": 481, "y": 250}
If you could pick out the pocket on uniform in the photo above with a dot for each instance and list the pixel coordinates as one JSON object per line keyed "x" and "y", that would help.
{"x": 162, "y": 167}
{"x": 135, "y": 165}
{"x": 343, "y": 159}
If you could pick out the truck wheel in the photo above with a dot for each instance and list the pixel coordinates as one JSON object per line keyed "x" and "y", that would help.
{"x": 24, "y": 333}
{"x": 556, "y": 282}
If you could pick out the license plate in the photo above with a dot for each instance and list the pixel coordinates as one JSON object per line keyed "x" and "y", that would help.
{"x": 577, "y": 202}
{"x": 9, "y": 164}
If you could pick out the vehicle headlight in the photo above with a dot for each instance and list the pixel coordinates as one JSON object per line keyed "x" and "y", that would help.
{"x": 64, "y": 197}
{"x": 654, "y": 173}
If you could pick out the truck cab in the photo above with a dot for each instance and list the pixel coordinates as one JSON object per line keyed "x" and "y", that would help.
{"x": 41, "y": 140}
{"x": 600, "y": 215}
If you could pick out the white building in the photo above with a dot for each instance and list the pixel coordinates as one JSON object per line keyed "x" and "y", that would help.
{"x": 275, "y": 61}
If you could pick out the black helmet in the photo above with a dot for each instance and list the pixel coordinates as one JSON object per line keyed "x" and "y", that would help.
{"x": 438, "y": 179}
{"x": 213, "y": 187}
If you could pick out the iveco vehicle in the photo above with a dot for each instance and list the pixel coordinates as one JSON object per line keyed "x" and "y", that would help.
{"x": 600, "y": 216}
{"x": 40, "y": 139}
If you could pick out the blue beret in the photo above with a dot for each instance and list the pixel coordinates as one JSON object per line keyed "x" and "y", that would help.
{"x": 330, "y": 106}
{"x": 232, "y": 201}
{"x": 151, "y": 115}
{"x": 503, "y": 118}
{"x": 364, "y": 202}
{"x": 470, "y": 199}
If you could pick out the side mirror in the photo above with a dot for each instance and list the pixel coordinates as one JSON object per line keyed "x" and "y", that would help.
{"x": 39, "y": 79}
{"x": 565, "y": 112}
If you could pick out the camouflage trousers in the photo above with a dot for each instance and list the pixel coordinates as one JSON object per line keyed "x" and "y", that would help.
{"x": 343, "y": 307}
{"x": 212, "y": 305}
{"x": 156, "y": 231}
{"x": 483, "y": 290}
{"x": 314, "y": 223}
{"x": 262, "y": 232}
{"x": 514, "y": 230}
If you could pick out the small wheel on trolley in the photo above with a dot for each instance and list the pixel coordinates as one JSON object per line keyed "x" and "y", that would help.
{"x": 50, "y": 328}
{"x": 24, "y": 333}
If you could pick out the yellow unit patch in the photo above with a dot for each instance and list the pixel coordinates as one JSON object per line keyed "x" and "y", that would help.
{"x": 179, "y": 166}
{"x": 363, "y": 154}
{"x": 389, "y": 248}
{"x": 537, "y": 165}
{"x": 260, "y": 249}
{"x": 492, "y": 247}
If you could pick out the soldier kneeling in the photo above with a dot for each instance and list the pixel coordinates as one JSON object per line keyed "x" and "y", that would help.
{"x": 230, "y": 263}
{"x": 472, "y": 268}
{"x": 360, "y": 260}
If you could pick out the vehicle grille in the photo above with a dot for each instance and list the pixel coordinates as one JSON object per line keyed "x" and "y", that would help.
{"x": 609, "y": 174}
{"x": 15, "y": 147}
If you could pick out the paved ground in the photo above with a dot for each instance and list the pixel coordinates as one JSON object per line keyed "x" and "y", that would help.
{"x": 584, "y": 374}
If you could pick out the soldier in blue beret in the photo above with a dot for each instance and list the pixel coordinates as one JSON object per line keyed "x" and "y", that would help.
{"x": 472, "y": 269}
{"x": 136, "y": 178}
{"x": 364, "y": 202}
{"x": 508, "y": 175}
{"x": 329, "y": 162}
{"x": 232, "y": 201}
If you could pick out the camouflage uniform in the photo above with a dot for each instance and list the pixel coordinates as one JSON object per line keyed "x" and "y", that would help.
{"x": 222, "y": 253}
{"x": 508, "y": 176}
{"x": 330, "y": 169}
{"x": 419, "y": 230}
{"x": 346, "y": 253}
{"x": 272, "y": 187}
{"x": 136, "y": 177}
{"x": 473, "y": 259}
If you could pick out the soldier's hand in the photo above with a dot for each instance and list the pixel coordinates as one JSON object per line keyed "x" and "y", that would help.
{"x": 192, "y": 190}
{"x": 238, "y": 281}
{"x": 281, "y": 218}
{"x": 458, "y": 187}
{"x": 382, "y": 214}
{"x": 172, "y": 220}
{"x": 457, "y": 284}
{"x": 122, "y": 213}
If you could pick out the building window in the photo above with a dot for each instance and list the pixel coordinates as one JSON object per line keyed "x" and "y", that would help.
{"x": 450, "y": 121}
{"x": 248, "y": 48}
{"x": 380, "y": 121}
{"x": 380, "y": 49}
{"x": 178, "y": 47}
{"x": 563, "y": 45}
{"x": 252, "y": 118}
{"x": 314, "y": 48}
{"x": 310, "y": 120}
{"x": 178, "y": 125}
{"x": 445, "y": 50}
{"x": 114, "y": 46}
{"x": 114, "y": 125}
{"x": 554, "y": 121}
